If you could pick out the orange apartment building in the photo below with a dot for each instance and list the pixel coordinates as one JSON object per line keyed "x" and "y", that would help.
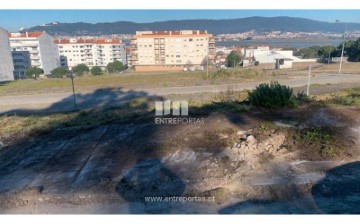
{"x": 171, "y": 50}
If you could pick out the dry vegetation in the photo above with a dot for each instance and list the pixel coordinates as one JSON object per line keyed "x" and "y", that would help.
{"x": 170, "y": 79}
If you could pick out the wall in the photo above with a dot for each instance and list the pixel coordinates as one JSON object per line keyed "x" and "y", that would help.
{"x": 157, "y": 68}
{"x": 6, "y": 62}
{"x": 49, "y": 53}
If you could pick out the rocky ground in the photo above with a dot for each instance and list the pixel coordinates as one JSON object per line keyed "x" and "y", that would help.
{"x": 290, "y": 161}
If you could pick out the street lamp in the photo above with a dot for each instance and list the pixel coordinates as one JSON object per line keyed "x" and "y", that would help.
{"x": 72, "y": 75}
{"x": 343, "y": 47}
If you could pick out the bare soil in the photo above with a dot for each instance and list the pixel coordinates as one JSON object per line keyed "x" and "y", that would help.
{"x": 250, "y": 163}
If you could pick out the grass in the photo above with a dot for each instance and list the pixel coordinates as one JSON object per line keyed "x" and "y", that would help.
{"x": 321, "y": 139}
{"x": 349, "y": 97}
{"x": 169, "y": 79}
{"x": 41, "y": 123}
{"x": 144, "y": 80}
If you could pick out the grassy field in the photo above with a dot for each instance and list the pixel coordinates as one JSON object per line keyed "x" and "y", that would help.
{"x": 169, "y": 79}
{"x": 143, "y": 109}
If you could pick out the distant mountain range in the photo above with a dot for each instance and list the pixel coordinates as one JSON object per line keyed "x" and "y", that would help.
{"x": 223, "y": 26}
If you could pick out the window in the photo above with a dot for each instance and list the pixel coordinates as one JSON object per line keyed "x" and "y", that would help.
{"x": 191, "y": 39}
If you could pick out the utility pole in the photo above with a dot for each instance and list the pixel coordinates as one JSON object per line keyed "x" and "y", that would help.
{"x": 308, "y": 81}
{"x": 342, "y": 50}
{"x": 207, "y": 64}
{"x": 73, "y": 89}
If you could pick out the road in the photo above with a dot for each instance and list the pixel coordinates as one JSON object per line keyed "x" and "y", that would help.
{"x": 111, "y": 97}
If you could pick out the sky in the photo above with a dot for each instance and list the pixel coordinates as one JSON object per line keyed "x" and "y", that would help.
{"x": 13, "y": 20}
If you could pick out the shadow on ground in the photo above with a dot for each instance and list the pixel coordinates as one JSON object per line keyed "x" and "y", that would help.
{"x": 148, "y": 182}
{"x": 117, "y": 160}
{"x": 337, "y": 193}
{"x": 106, "y": 98}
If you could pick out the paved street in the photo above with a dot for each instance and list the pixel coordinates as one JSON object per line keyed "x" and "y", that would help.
{"x": 110, "y": 97}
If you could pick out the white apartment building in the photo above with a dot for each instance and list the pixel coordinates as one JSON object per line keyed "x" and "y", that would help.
{"x": 92, "y": 52}
{"x": 6, "y": 63}
{"x": 40, "y": 45}
{"x": 171, "y": 50}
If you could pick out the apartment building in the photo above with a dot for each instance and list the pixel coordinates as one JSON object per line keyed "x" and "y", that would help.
{"x": 171, "y": 50}
{"x": 92, "y": 52}
{"x": 40, "y": 45}
{"x": 6, "y": 63}
{"x": 22, "y": 61}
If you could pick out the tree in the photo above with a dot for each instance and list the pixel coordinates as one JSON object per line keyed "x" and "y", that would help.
{"x": 353, "y": 52}
{"x": 59, "y": 72}
{"x": 311, "y": 52}
{"x": 326, "y": 51}
{"x": 337, "y": 51}
{"x": 115, "y": 66}
{"x": 96, "y": 70}
{"x": 33, "y": 72}
{"x": 80, "y": 69}
{"x": 233, "y": 59}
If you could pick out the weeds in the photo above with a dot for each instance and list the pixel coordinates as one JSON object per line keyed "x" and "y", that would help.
{"x": 345, "y": 98}
{"x": 320, "y": 140}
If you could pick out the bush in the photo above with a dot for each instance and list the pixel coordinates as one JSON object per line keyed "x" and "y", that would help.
{"x": 60, "y": 72}
{"x": 115, "y": 66}
{"x": 96, "y": 70}
{"x": 233, "y": 59}
{"x": 80, "y": 69}
{"x": 272, "y": 96}
{"x": 33, "y": 72}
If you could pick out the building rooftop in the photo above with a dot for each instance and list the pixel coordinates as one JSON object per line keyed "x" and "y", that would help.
{"x": 26, "y": 35}
{"x": 87, "y": 41}
{"x": 170, "y": 33}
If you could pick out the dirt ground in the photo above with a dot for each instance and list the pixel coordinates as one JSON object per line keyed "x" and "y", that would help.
{"x": 247, "y": 162}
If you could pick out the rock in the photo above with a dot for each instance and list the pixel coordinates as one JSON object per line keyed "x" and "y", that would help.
{"x": 243, "y": 138}
{"x": 251, "y": 140}
{"x": 223, "y": 136}
{"x": 238, "y": 145}
{"x": 282, "y": 149}
{"x": 241, "y": 133}
{"x": 231, "y": 153}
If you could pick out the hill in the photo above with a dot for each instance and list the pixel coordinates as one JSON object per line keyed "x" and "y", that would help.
{"x": 223, "y": 26}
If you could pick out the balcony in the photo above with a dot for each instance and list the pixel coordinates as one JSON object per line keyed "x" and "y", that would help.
{"x": 33, "y": 51}
{"x": 35, "y": 63}
{"x": 25, "y": 44}
{"x": 35, "y": 57}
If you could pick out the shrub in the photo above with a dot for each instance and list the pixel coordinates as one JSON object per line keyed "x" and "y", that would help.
{"x": 115, "y": 66}
{"x": 233, "y": 59}
{"x": 96, "y": 70}
{"x": 33, "y": 72}
{"x": 59, "y": 72}
{"x": 272, "y": 95}
{"x": 80, "y": 69}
